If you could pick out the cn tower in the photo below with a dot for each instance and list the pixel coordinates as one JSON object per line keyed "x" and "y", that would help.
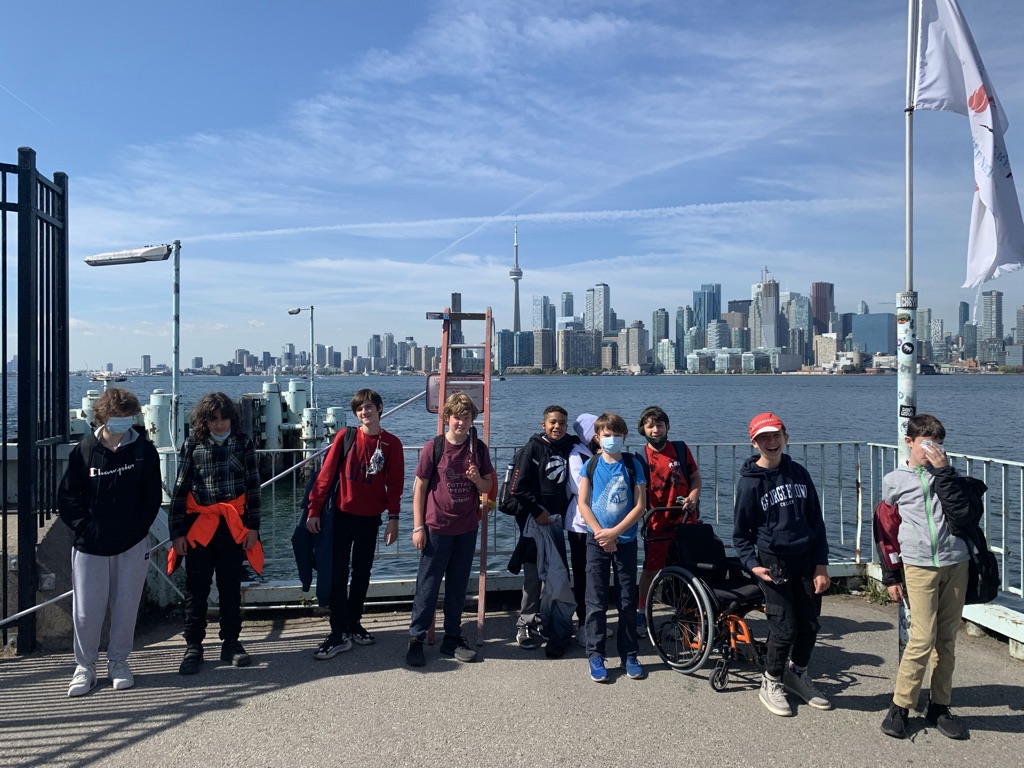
{"x": 516, "y": 274}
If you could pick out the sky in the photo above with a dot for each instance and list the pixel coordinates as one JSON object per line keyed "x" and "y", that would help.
{"x": 369, "y": 159}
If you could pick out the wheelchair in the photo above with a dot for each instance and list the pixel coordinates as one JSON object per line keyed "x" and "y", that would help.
{"x": 697, "y": 604}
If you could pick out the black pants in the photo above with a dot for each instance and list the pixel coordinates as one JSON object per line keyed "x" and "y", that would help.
{"x": 578, "y": 556}
{"x": 355, "y": 543}
{"x": 792, "y": 609}
{"x": 223, "y": 557}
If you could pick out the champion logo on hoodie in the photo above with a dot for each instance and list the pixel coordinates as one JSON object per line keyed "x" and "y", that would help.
{"x": 783, "y": 495}
{"x": 97, "y": 472}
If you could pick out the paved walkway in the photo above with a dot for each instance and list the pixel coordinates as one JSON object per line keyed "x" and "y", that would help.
{"x": 515, "y": 708}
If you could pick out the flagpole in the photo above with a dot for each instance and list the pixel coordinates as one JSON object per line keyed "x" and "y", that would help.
{"x": 906, "y": 300}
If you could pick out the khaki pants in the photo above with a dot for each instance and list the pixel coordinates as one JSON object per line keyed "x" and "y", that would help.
{"x": 936, "y": 598}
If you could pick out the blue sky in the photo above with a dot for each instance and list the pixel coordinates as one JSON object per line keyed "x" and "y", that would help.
{"x": 369, "y": 159}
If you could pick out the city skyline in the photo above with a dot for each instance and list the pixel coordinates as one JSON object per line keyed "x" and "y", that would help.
{"x": 371, "y": 163}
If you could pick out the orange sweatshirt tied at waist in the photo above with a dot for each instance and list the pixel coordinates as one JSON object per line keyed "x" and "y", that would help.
{"x": 202, "y": 530}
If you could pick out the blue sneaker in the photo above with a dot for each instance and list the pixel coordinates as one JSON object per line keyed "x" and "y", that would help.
{"x": 597, "y": 671}
{"x": 634, "y": 670}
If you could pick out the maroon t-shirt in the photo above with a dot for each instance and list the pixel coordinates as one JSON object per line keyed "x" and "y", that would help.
{"x": 452, "y": 499}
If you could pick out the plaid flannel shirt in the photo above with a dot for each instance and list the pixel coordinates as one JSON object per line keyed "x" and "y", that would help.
{"x": 215, "y": 473}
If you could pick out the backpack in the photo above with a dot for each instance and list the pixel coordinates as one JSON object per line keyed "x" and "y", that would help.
{"x": 348, "y": 439}
{"x": 507, "y": 502}
{"x": 438, "y": 450}
{"x": 680, "y": 447}
{"x": 630, "y": 470}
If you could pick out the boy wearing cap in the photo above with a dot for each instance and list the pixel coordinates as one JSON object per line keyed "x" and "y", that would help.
{"x": 779, "y": 536}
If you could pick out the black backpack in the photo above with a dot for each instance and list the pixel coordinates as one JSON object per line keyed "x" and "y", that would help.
{"x": 507, "y": 502}
{"x": 348, "y": 439}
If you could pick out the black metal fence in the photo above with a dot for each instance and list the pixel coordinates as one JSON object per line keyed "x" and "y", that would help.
{"x": 37, "y": 315}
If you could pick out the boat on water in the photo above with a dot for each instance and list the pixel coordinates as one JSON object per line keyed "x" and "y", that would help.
{"x": 108, "y": 377}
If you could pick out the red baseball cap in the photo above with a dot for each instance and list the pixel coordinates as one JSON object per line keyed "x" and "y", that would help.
{"x": 765, "y": 422}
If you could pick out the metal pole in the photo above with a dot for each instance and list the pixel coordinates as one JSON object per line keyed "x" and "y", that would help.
{"x": 906, "y": 301}
{"x": 312, "y": 359}
{"x": 176, "y": 436}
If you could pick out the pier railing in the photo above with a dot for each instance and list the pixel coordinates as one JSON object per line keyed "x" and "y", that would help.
{"x": 847, "y": 475}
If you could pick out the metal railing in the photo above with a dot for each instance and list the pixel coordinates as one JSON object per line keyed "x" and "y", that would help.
{"x": 847, "y": 475}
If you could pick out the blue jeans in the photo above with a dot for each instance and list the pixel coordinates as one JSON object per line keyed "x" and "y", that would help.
{"x": 599, "y": 565}
{"x": 450, "y": 558}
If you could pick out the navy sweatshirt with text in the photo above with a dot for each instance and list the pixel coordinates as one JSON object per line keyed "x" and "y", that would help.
{"x": 777, "y": 511}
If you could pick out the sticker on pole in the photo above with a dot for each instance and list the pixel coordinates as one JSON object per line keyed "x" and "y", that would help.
{"x": 471, "y": 384}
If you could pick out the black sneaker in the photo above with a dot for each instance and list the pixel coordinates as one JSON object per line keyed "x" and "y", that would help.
{"x": 414, "y": 656}
{"x": 360, "y": 636}
{"x": 458, "y": 648}
{"x": 193, "y": 658}
{"x": 895, "y": 723}
{"x": 232, "y": 652}
{"x": 332, "y": 646}
{"x": 949, "y": 726}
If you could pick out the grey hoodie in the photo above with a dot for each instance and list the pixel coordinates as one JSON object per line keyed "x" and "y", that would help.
{"x": 924, "y": 536}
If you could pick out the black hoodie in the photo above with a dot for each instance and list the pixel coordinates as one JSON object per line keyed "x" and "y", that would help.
{"x": 110, "y": 498}
{"x": 777, "y": 511}
{"x": 540, "y": 477}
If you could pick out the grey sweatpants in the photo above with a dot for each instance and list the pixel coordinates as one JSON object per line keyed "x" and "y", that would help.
{"x": 100, "y": 582}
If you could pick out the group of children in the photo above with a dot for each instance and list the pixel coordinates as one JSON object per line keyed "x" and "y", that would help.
{"x": 586, "y": 483}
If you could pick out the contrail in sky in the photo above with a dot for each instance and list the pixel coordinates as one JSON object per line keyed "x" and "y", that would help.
{"x": 16, "y": 96}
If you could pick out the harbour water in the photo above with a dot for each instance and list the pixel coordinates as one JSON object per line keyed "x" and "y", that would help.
{"x": 982, "y": 413}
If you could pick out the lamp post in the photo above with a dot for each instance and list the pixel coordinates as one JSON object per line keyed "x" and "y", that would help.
{"x": 312, "y": 350}
{"x": 158, "y": 253}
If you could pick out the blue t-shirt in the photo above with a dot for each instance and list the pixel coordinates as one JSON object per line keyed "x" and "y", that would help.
{"x": 611, "y": 498}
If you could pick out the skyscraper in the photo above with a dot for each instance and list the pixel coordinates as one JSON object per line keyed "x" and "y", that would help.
{"x": 991, "y": 316}
{"x": 541, "y": 305}
{"x": 602, "y": 307}
{"x": 963, "y": 315}
{"x": 823, "y": 304}
{"x": 659, "y": 326}
{"x": 764, "y": 314}
{"x": 566, "y": 307}
{"x": 516, "y": 274}
{"x": 1018, "y": 332}
{"x": 707, "y": 304}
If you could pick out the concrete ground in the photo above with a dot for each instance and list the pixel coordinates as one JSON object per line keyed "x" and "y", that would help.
{"x": 514, "y": 708}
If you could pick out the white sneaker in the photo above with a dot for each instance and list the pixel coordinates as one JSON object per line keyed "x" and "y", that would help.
{"x": 773, "y": 696}
{"x": 120, "y": 675}
{"x": 801, "y": 685}
{"x": 83, "y": 681}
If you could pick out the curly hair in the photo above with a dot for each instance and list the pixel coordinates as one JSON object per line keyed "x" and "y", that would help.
{"x": 459, "y": 404}
{"x": 212, "y": 406}
{"x": 115, "y": 402}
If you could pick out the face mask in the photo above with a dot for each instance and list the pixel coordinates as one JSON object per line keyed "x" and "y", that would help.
{"x": 222, "y": 437}
{"x": 118, "y": 425}
{"x": 612, "y": 444}
{"x": 657, "y": 443}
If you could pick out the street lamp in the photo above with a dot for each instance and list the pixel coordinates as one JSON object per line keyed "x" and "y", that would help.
{"x": 158, "y": 253}
{"x": 312, "y": 350}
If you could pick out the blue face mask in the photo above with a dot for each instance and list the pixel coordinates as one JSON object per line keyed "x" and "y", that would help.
{"x": 221, "y": 437}
{"x": 118, "y": 425}
{"x": 612, "y": 444}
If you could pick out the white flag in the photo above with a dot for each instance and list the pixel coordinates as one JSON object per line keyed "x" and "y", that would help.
{"x": 951, "y": 77}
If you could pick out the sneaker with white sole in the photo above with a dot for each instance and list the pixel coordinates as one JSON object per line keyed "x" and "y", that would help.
{"x": 773, "y": 696}
{"x": 799, "y": 684}
{"x": 361, "y": 636}
{"x": 332, "y": 646}
{"x": 120, "y": 674}
{"x": 83, "y": 681}
{"x": 527, "y": 640}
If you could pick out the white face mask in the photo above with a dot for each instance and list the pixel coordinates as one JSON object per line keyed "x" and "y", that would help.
{"x": 118, "y": 425}
{"x": 612, "y": 444}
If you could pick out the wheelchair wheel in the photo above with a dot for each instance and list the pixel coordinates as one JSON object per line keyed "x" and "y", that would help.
{"x": 719, "y": 679}
{"x": 680, "y": 619}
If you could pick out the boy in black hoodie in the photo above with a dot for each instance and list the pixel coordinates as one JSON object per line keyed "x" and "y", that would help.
{"x": 109, "y": 496}
{"x": 539, "y": 487}
{"x": 779, "y": 536}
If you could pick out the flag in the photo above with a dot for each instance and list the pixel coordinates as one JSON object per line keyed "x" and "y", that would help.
{"x": 950, "y": 77}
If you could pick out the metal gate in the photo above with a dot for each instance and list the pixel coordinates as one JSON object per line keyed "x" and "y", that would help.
{"x": 38, "y": 424}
